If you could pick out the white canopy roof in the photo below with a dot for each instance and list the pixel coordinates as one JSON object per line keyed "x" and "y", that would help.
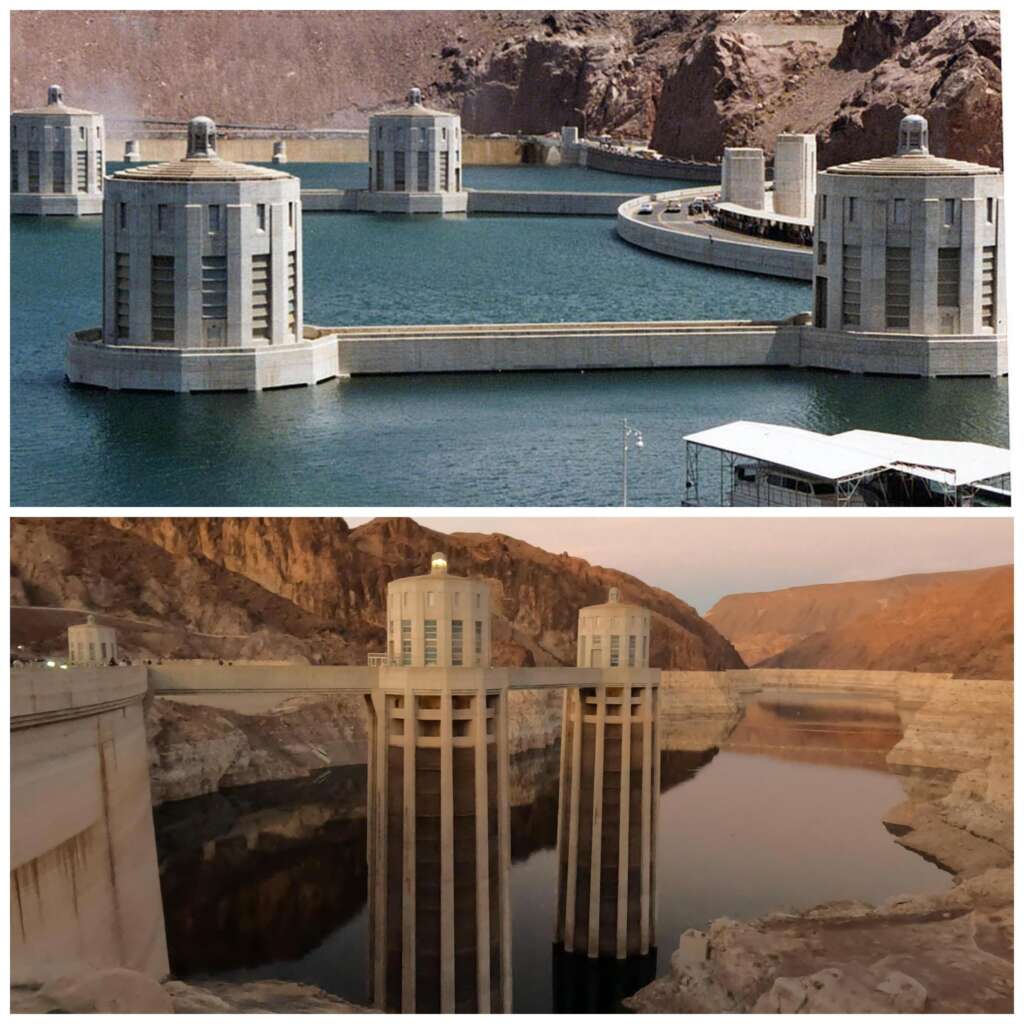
{"x": 856, "y": 452}
{"x": 766, "y": 215}
{"x": 954, "y": 462}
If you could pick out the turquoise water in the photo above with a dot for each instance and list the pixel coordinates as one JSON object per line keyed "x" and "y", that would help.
{"x": 510, "y": 439}
{"x": 526, "y": 177}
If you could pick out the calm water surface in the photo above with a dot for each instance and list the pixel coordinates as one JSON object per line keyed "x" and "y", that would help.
{"x": 510, "y": 439}
{"x": 786, "y": 814}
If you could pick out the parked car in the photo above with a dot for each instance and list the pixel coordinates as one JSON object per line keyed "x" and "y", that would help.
{"x": 673, "y": 207}
{"x": 646, "y": 210}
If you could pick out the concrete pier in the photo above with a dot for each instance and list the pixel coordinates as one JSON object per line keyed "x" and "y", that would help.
{"x": 607, "y": 819}
{"x": 439, "y": 843}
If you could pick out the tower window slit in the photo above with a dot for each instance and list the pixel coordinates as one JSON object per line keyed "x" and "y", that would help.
{"x": 949, "y": 276}
{"x": 33, "y": 170}
{"x": 897, "y": 287}
{"x": 122, "y": 282}
{"x": 456, "y": 641}
{"x": 82, "y": 170}
{"x": 291, "y": 290}
{"x": 162, "y": 298}
{"x": 58, "y": 170}
{"x": 262, "y": 298}
{"x": 851, "y": 284}
{"x": 215, "y": 287}
{"x": 988, "y": 285}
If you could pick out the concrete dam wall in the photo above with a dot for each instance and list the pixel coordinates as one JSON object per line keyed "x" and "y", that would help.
{"x": 626, "y": 163}
{"x": 327, "y": 148}
{"x": 85, "y": 888}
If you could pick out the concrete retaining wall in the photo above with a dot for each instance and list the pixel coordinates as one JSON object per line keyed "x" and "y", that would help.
{"x": 34, "y": 204}
{"x": 750, "y": 256}
{"x": 508, "y": 347}
{"x": 622, "y": 163}
{"x": 586, "y": 204}
{"x": 494, "y": 348}
{"x": 343, "y": 149}
{"x": 85, "y": 889}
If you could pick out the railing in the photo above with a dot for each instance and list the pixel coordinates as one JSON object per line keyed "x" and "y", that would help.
{"x": 377, "y": 660}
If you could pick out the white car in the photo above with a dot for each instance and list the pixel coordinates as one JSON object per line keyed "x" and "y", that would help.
{"x": 646, "y": 210}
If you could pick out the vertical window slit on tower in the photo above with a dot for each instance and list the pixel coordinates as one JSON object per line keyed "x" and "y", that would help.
{"x": 215, "y": 287}
{"x": 988, "y": 286}
{"x": 82, "y": 170}
{"x": 851, "y": 284}
{"x": 262, "y": 298}
{"x": 897, "y": 287}
{"x": 456, "y": 641}
{"x": 162, "y": 298}
{"x": 949, "y": 276}
{"x": 58, "y": 170}
{"x": 291, "y": 290}
{"x": 122, "y": 281}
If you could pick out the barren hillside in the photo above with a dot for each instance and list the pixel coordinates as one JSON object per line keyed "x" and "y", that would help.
{"x": 691, "y": 81}
{"x": 960, "y": 622}
{"x": 309, "y": 588}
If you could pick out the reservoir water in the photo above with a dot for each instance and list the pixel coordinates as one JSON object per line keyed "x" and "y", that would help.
{"x": 269, "y": 881}
{"x": 510, "y": 439}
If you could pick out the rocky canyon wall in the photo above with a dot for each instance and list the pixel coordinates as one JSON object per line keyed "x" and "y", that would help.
{"x": 312, "y": 589}
{"x": 957, "y": 622}
{"x": 689, "y": 81}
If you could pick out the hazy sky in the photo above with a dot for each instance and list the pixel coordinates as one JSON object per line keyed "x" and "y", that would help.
{"x": 702, "y": 559}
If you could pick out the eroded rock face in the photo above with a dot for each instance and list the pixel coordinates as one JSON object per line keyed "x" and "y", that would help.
{"x": 341, "y": 576}
{"x": 255, "y": 997}
{"x": 114, "y": 990}
{"x": 722, "y": 90}
{"x": 196, "y": 750}
{"x": 944, "y": 65}
{"x": 958, "y": 622}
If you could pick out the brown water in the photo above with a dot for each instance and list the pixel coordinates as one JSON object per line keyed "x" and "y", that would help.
{"x": 270, "y": 881}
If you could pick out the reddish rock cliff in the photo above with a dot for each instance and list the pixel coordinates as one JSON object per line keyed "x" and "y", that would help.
{"x": 692, "y": 81}
{"x": 958, "y": 622}
{"x": 311, "y": 588}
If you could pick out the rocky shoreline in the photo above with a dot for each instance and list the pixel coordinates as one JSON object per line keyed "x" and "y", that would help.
{"x": 948, "y": 951}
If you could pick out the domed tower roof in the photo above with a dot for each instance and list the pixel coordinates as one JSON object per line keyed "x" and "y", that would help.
{"x": 55, "y": 106}
{"x": 201, "y": 162}
{"x": 913, "y": 158}
{"x": 614, "y": 600}
{"x": 414, "y": 107}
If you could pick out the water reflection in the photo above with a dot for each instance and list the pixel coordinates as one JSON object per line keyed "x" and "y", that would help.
{"x": 818, "y": 728}
{"x": 271, "y": 881}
